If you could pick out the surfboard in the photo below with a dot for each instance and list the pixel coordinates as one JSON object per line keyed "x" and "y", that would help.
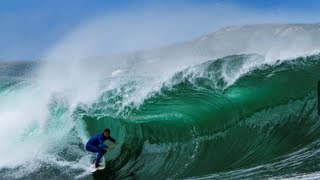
{"x": 94, "y": 169}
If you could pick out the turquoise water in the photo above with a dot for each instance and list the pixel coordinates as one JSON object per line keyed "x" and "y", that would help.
{"x": 259, "y": 121}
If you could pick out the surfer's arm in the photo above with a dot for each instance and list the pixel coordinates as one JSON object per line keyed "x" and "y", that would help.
{"x": 111, "y": 139}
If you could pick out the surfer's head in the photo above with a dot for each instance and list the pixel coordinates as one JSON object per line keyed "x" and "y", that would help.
{"x": 106, "y": 132}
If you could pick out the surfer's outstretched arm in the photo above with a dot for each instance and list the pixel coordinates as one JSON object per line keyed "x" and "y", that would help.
{"x": 111, "y": 139}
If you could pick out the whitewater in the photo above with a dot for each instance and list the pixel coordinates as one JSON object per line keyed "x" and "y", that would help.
{"x": 237, "y": 103}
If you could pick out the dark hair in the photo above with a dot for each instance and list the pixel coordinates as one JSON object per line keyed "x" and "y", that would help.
{"x": 107, "y": 130}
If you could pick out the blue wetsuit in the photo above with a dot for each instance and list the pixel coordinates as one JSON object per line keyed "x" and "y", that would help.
{"x": 95, "y": 144}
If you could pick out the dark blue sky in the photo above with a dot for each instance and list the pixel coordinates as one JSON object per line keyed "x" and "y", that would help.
{"x": 29, "y": 28}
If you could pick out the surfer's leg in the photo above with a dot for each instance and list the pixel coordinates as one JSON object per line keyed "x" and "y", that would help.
{"x": 92, "y": 148}
{"x": 98, "y": 150}
{"x": 99, "y": 156}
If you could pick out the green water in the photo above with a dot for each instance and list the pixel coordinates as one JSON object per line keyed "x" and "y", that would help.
{"x": 196, "y": 127}
{"x": 201, "y": 125}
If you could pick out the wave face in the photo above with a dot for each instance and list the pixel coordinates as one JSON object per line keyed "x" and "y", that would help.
{"x": 231, "y": 117}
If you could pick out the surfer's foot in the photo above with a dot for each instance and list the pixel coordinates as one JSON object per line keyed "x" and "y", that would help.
{"x": 99, "y": 167}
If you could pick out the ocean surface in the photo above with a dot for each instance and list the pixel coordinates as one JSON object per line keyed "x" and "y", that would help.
{"x": 234, "y": 117}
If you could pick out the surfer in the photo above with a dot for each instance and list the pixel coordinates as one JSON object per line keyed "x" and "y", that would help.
{"x": 95, "y": 144}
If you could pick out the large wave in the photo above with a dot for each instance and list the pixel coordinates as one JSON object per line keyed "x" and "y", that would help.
{"x": 216, "y": 119}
